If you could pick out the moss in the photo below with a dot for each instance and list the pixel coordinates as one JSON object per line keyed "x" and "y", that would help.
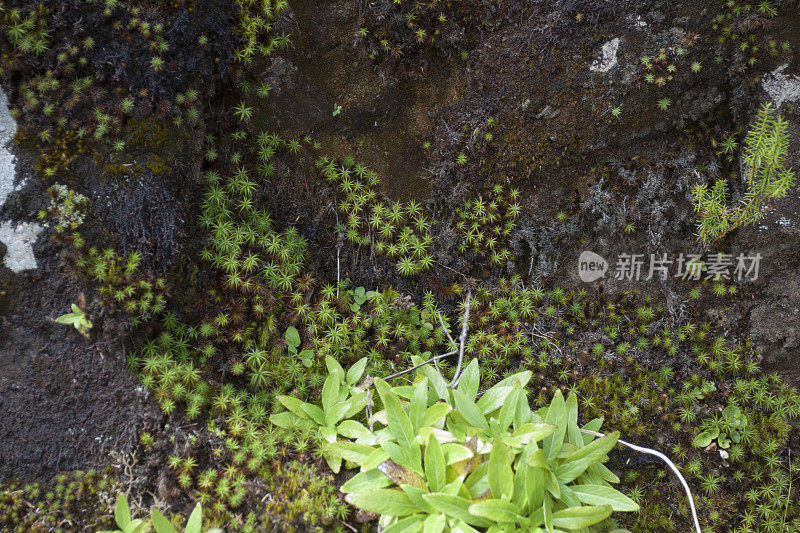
{"x": 74, "y": 501}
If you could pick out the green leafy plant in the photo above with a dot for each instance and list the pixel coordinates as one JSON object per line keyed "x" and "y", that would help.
{"x": 441, "y": 458}
{"x": 157, "y": 521}
{"x": 725, "y": 429}
{"x": 78, "y": 319}
{"x": 341, "y": 400}
{"x": 765, "y": 150}
{"x": 292, "y": 338}
{"x": 360, "y": 297}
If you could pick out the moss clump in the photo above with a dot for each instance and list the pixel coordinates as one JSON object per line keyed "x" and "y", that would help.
{"x": 75, "y": 501}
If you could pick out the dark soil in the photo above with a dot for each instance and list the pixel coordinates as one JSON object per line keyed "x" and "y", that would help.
{"x": 67, "y": 402}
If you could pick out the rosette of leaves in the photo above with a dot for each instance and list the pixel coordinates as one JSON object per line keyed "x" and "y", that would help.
{"x": 724, "y": 429}
{"x": 360, "y": 297}
{"x": 442, "y": 459}
{"x": 341, "y": 400}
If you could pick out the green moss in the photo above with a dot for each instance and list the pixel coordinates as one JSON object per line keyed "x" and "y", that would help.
{"x": 75, "y": 501}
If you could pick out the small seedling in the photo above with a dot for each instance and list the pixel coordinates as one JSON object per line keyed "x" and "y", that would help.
{"x": 78, "y": 319}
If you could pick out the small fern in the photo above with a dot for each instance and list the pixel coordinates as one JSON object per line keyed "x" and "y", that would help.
{"x": 764, "y": 156}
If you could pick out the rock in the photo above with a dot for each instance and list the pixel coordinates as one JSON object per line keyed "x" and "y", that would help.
{"x": 19, "y": 240}
{"x": 280, "y": 74}
{"x": 780, "y": 87}
{"x": 607, "y": 58}
{"x": 8, "y": 128}
{"x": 547, "y": 113}
{"x": 775, "y": 325}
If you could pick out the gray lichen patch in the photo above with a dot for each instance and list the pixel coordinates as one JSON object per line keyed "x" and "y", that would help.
{"x": 607, "y": 58}
{"x": 8, "y": 128}
{"x": 782, "y": 88}
{"x": 19, "y": 240}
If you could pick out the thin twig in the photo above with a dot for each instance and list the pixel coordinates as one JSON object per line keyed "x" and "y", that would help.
{"x": 670, "y": 464}
{"x": 545, "y": 337}
{"x": 452, "y": 270}
{"x": 788, "y": 494}
{"x": 338, "y": 263}
{"x": 462, "y": 340}
{"x": 426, "y": 362}
{"x": 444, "y": 328}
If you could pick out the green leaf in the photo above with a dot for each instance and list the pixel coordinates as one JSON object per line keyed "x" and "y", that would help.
{"x": 577, "y": 462}
{"x": 357, "y": 403}
{"x": 375, "y": 458}
{"x": 401, "y": 475}
{"x": 519, "y": 379}
{"x": 592, "y": 425}
{"x": 470, "y": 381}
{"x": 330, "y": 391}
{"x": 470, "y": 411}
{"x": 328, "y": 433}
{"x": 477, "y": 481}
{"x": 352, "y": 429}
{"x": 411, "y": 524}
{"x": 705, "y": 438}
{"x": 293, "y": 404}
{"x": 371, "y": 479}
{"x": 398, "y": 421}
{"x": 534, "y": 432}
{"x": 580, "y": 517}
{"x": 534, "y": 485}
{"x": 408, "y": 456}
{"x": 334, "y": 461}
{"x": 160, "y": 523}
{"x": 389, "y": 502}
{"x": 435, "y": 470}
{"x": 415, "y": 495}
{"x": 455, "y": 453}
{"x": 601, "y": 495}
{"x": 292, "y": 338}
{"x": 556, "y": 416}
{"x": 314, "y": 413}
{"x": 568, "y": 497}
{"x": 493, "y": 399}
{"x": 454, "y": 506}
{"x": 355, "y": 453}
{"x": 501, "y": 477}
{"x": 307, "y": 358}
{"x": 195, "y": 522}
{"x": 333, "y": 365}
{"x": 509, "y": 409}
{"x": 523, "y": 414}
{"x": 137, "y": 525}
{"x": 547, "y": 512}
{"x": 122, "y": 513}
{"x": 574, "y": 434}
{"x": 435, "y": 413}
{"x": 336, "y": 412}
{"x": 435, "y": 379}
{"x": 356, "y": 371}
{"x": 435, "y": 523}
{"x": 419, "y": 403}
{"x": 499, "y": 511}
